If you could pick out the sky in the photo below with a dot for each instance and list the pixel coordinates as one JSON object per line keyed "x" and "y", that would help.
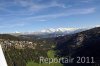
{"x": 35, "y": 15}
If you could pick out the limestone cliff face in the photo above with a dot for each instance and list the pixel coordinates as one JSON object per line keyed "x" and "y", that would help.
{"x": 80, "y": 39}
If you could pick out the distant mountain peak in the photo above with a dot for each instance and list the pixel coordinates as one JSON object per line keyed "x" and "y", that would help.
{"x": 58, "y": 29}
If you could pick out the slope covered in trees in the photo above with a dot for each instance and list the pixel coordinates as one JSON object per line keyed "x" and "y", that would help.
{"x": 83, "y": 44}
{"x": 25, "y": 52}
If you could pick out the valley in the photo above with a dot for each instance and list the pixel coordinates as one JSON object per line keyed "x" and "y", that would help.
{"x": 21, "y": 51}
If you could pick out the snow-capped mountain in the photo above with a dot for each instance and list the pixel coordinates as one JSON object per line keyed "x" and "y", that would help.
{"x": 49, "y": 33}
{"x": 51, "y": 30}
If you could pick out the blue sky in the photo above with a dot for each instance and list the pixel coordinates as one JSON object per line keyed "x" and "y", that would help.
{"x": 35, "y": 15}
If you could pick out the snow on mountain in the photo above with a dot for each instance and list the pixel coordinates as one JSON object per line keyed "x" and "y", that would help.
{"x": 47, "y": 33}
{"x": 51, "y": 30}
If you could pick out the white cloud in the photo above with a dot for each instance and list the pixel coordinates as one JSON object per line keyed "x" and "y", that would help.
{"x": 97, "y": 26}
{"x": 86, "y": 1}
{"x": 12, "y": 25}
{"x": 66, "y": 13}
{"x": 30, "y": 8}
{"x": 37, "y": 6}
{"x": 42, "y": 20}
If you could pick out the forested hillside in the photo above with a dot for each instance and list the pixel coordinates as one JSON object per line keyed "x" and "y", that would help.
{"x": 83, "y": 44}
{"x": 26, "y": 52}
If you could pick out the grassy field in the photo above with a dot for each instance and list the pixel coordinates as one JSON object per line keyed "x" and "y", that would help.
{"x": 50, "y": 54}
{"x": 43, "y": 64}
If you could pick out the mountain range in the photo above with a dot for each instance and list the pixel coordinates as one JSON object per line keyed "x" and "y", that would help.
{"x": 48, "y": 33}
{"x": 77, "y": 43}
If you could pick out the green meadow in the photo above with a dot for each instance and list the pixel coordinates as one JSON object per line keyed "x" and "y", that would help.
{"x": 51, "y": 54}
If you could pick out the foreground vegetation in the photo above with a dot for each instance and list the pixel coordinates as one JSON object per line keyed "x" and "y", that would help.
{"x": 50, "y": 54}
